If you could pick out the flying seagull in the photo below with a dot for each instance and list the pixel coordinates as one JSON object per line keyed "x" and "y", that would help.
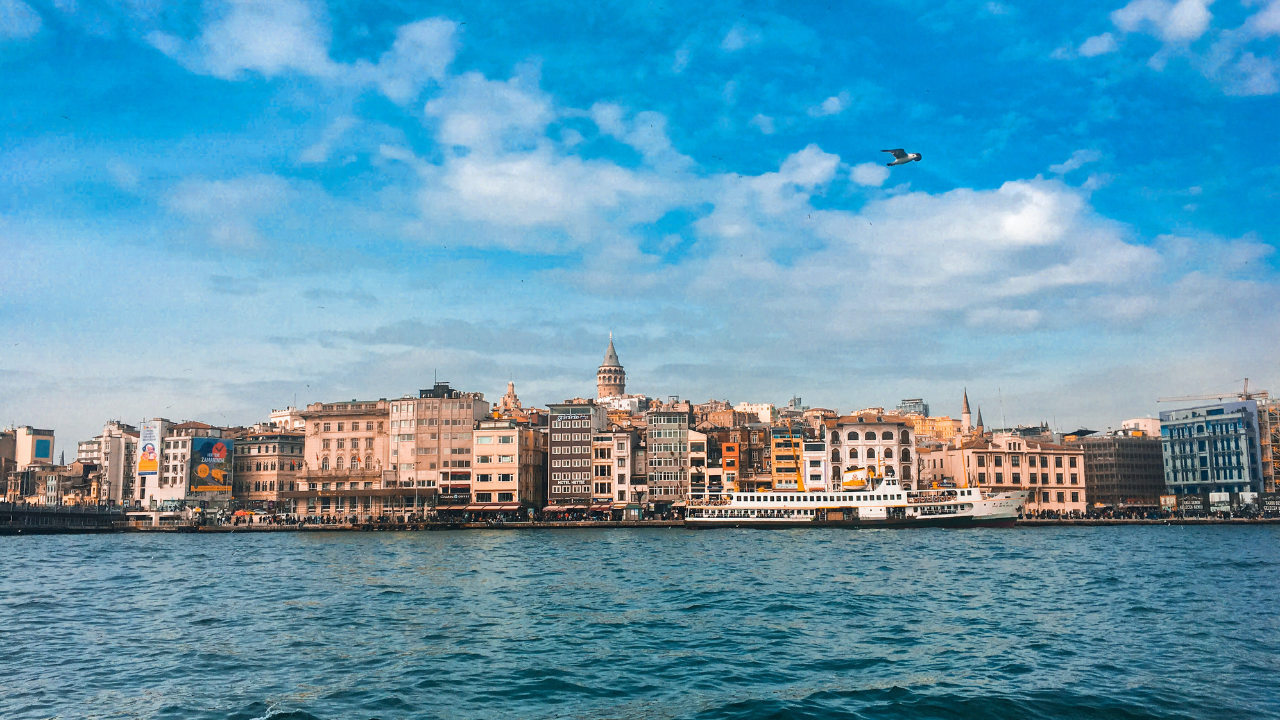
{"x": 902, "y": 157}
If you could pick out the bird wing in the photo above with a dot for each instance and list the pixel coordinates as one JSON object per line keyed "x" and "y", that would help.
{"x": 899, "y": 153}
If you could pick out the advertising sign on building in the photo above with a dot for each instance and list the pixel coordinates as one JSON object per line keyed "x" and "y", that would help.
{"x": 1169, "y": 502}
{"x": 149, "y": 449}
{"x": 1269, "y": 503}
{"x": 1219, "y": 502}
{"x": 210, "y": 469}
{"x": 1194, "y": 504}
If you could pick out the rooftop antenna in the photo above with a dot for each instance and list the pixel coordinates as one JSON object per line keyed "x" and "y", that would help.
{"x": 1000, "y": 396}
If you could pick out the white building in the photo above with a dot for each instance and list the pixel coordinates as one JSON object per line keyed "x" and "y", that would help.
{"x": 115, "y": 452}
{"x": 765, "y": 412}
{"x": 1148, "y": 426}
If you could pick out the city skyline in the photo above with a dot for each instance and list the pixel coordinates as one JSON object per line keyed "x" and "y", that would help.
{"x": 209, "y": 209}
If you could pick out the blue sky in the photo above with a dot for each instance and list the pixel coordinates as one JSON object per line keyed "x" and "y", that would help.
{"x": 207, "y": 209}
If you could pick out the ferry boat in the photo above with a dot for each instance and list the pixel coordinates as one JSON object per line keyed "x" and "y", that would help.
{"x": 880, "y": 503}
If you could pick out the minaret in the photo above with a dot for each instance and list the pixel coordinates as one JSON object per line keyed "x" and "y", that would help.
{"x": 981, "y": 427}
{"x": 966, "y": 424}
{"x": 611, "y": 379}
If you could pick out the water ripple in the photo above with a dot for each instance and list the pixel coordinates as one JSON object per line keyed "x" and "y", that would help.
{"x": 1111, "y": 622}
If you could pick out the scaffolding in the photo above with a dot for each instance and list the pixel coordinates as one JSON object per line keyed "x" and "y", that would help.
{"x": 1269, "y": 439}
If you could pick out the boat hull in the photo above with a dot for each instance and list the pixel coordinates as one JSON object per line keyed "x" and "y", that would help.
{"x": 961, "y": 521}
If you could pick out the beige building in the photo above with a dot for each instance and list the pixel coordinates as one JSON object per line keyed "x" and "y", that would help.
{"x": 941, "y": 427}
{"x": 871, "y": 439}
{"x": 1052, "y": 474}
{"x": 432, "y": 443}
{"x": 115, "y": 454}
{"x": 345, "y": 470}
{"x": 32, "y": 446}
{"x": 268, "y": 462}
{"x": 509, "y": 466}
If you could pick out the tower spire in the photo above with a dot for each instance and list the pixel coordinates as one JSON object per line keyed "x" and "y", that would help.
{"x": 966, "y": 418}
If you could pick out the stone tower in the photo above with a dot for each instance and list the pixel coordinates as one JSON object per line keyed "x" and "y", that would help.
{"x": 966, "y": 418}
{"x": 611, "y": 379}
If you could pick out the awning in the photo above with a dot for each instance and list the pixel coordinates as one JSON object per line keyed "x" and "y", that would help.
{"x": 494, "y": 506}
{"x": 558, "y": 508}
{"x": 602, "y": 507}
{"x": 678, "y": 503}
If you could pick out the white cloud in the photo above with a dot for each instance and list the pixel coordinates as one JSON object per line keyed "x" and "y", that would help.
{"x": 763, "y": 123}
{"x": 487, "y": 115}
{"x": 274, "y": 38}
{"x": 1078, "y": 159}
{"x": 869, "y": 174}
{"x": 1251, "y": 75}
{"x": 833, "y": 105}
{"x": 319, "y": 151}
{"x": 421, "y": 52}
{"x": 269, "y": 37}
{"x": 1180, "y": 22}
{"x": 646, "y": 133}
{"x": 739, "y": 37}
{"x": 228, "y": 211}
{"x": 1098, "y": 45}
{"x": 18, "y": 20}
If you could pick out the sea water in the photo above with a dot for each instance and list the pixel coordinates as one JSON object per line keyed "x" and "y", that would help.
{"x": 1059, "y": 622}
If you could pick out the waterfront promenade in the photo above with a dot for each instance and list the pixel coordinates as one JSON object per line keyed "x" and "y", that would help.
{"x": 131, "y": 527}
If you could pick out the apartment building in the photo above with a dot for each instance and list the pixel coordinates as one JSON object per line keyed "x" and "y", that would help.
{"x": 667, "y": 453}
{"x": 570, "y": 475}
{"x": 268, "y": 462}
{"x": 345, "y": 464}
{"x": 882, "y": 442}
{"x": 1123, "y": 468}
{"x": 1213, "y": 449}
{"x": 432, "y": 443}
{"x": 1052, "y": 474}
{"x": 612, "y": 455}
{"x": 510, "y": 469}
{"x": 115, "y": 454}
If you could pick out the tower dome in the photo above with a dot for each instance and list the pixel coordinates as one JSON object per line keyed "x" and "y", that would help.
{"x": 611, "y": 378}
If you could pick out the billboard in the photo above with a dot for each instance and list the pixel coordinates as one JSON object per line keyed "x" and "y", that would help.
{"x": 149, "y": 449}
{"x": 1219, "y": 502}
{"x": 210, "y": 465}
{"x": 1193, "y": 504}
{"x": 1270, "y": 503}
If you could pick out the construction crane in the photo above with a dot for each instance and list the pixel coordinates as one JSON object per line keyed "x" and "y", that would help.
{"x": 1242, "y": 395}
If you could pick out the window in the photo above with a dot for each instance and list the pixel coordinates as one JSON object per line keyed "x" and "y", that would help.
{"x": 982, "y": 478}
{"x": 484, "y": 440}
{"x": 1057, "y": 461}
{"x": 506, "y": 497}
{"x": 1058, "y": 477}
{"x": 506, "y": 458}
{"x": 324, "y": 465}
{"x": 1073, "y": 479}
{"x": 341, "y": 443}
{"x": 1061, "y": 497}
{"x": 852, "y": 435}
{"x": 1015, "y": 461}
{"x": 982, "y": 461}
{"x": 999, "y": 460}
{"x": 326, "y": 427}
{"x": 1071, "y": 461}
{"x": 339, "y": 427}
{"x": 1075, "y": 497}
{"x": 484, "y": 458}
{"x": 886, "y": 435}
{"x": 484, "y": 497}
{"x": 999, "y": 478}
{"x": 1015, "y": 478}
